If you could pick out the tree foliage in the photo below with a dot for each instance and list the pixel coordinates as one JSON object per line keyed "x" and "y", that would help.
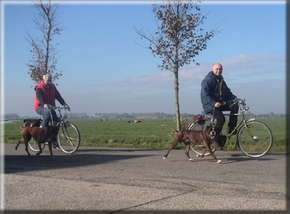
{"x": 179, "y": 38}
{"x": 43, "y": 50}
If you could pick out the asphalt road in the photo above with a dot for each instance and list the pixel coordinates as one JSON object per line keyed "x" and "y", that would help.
{"x": 111, "y": 180}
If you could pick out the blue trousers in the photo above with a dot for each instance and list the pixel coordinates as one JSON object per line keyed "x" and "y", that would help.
{"x": 46, "y": 116}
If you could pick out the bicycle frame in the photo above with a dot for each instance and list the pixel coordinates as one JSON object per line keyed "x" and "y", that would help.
{"x": 254, "y": 138}
{"x": 244, "y": 120}
{"x": 61, "y": 117}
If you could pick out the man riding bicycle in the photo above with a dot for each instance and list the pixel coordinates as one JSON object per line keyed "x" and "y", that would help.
{"x": 216, "y": 97}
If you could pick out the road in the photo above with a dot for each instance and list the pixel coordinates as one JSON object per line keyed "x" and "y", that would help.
{"x": 114, "y": 180}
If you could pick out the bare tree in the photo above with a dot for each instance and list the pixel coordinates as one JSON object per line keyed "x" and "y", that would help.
{"x": 178, "y": 38}
{"x": 44, "y": 55}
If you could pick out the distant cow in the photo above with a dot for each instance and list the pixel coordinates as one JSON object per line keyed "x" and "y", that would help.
{"x": 134, "y": 121}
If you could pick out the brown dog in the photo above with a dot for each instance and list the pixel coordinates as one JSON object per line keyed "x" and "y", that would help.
{"x": 192, "y": 136}
{"x": 40, "y": 135}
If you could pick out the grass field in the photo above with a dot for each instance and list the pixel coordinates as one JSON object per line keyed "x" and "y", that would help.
{"x": 150, "y": 133}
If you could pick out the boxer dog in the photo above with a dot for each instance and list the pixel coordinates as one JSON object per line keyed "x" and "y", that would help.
{"x": 202, "y": 138}
{"x": 40, "y": 135}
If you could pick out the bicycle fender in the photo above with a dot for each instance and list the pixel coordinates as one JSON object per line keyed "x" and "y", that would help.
{"x": 252, "y": 119}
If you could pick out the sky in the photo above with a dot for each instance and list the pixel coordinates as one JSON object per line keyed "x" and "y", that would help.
{"x": 107, "y": 69}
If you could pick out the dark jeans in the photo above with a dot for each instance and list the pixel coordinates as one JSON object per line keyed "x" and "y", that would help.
{"x": 220, "y": 118}
{"x": 46, "y": 116}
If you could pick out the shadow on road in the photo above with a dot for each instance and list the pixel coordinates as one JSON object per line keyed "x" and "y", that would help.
{"x": 22, "y": 163}
{"x": 87, "y": 156}
{"x": 235, "y": 158}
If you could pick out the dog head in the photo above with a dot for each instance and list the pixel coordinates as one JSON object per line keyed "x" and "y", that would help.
{"x": 32, "y": 122}
{"x": 210, "y": 132}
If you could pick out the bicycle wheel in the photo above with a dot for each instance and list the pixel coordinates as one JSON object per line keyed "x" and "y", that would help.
{"x": 197, "y": 149}
{"x": 33, "y": 145}
{"x": 69, "y": 138}
{"x": 255, "y": 139}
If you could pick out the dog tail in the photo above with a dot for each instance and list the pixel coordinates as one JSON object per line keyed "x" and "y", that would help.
{"x": 19, "y": 141}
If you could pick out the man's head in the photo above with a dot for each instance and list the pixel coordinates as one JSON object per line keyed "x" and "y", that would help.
{"x": 47, "y": 79}
{"x": 217, "y": 69}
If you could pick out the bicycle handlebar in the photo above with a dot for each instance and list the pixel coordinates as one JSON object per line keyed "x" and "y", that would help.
{"x": 240, "y": 102}
{"x": 49, "y": 107}
{"x": 64, "y": 115}
{"x": 59, "y": 108}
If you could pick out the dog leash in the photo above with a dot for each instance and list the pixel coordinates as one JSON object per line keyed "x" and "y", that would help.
{"x": 212, "y": 133}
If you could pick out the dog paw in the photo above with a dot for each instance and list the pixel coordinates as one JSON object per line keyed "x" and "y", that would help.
{"x": 219, "y": 161}
{"x": 164, "y": 158}
{"x": 190, "y": 159}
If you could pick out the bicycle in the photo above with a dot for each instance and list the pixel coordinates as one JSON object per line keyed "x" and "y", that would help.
{"x": 68, "y": 137}
{"x": 254, "y": 138}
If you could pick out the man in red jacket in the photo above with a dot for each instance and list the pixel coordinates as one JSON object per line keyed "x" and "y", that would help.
{"x": 44, "y": 101}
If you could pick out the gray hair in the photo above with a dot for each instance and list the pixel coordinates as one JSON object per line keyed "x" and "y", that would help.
{"x": 47, "y": 75}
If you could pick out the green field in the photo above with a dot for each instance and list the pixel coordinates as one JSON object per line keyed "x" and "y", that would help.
{"x": 150, "y": 133}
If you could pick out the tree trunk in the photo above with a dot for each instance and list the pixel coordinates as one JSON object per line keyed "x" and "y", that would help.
{"x": 176, "y": 92}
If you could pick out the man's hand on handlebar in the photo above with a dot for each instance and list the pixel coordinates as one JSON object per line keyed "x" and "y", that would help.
{"x": 238, "y": 101}
{"x": 232, "y": 102}
{"x": 242, "y": 102}
{"x": 66, "y": 106}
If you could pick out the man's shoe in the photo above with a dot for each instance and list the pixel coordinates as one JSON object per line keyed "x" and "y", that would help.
{"x": 55, "y": 145}
{"x": 222, "y": 140}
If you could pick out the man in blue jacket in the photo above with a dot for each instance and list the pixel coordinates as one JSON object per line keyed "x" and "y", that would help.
{"x": 216, "y": 97}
